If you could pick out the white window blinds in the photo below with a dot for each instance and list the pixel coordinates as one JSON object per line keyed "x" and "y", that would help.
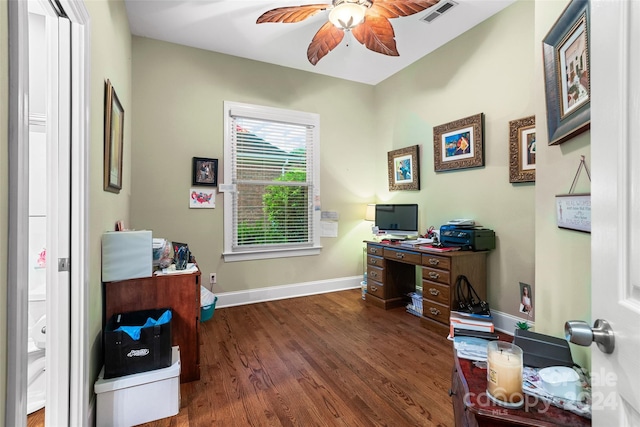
{"x": 272, "y": 170}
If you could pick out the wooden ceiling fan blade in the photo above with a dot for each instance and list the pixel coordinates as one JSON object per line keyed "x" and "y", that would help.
{"x": 398, "y": 8}
{"x": 291, "y": 14}
{"x": 376, "y": 33}
{"x": 325, "y": 40}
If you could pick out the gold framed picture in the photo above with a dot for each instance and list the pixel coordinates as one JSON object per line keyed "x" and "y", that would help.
{"x": 459, "y": 144}
{"x": 113, "y": 140}
{"x": 522, "y": 150}
{"x": 404, "y": 169}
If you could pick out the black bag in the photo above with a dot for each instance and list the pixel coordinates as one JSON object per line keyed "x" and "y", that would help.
{"x": 468, "y": 299}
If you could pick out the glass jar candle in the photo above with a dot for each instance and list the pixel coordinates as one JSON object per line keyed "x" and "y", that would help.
{"x": 504, "y": 374}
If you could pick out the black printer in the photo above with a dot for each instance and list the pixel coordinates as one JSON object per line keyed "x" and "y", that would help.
{"x": 473, "y": 238}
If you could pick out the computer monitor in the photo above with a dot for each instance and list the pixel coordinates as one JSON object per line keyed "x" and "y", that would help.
{"x": 397, "y": 219}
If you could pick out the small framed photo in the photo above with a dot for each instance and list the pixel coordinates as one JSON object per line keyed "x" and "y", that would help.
{"x": 566, "y": 73}
{"x": 113, "y": 140}
{"x": 522, "y": 150}
{"x": 404, "y": 169}
{"x": 526, "y": 299}
{"x": 205, "y": 171}
{"x": 459, "y": 144}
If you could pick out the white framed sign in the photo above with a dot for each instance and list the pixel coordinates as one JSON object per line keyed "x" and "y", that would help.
{"x": 573, "y": 211}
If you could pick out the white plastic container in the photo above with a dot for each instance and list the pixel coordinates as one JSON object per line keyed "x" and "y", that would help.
{"x": 561, "y": 381}
{"x": 139, "y": 398}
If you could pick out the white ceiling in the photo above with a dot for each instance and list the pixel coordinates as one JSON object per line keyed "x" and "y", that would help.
{"x": 229, "y": 27}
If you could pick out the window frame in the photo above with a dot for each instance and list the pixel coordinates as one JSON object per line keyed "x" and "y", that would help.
{"x": 229, "y": 187}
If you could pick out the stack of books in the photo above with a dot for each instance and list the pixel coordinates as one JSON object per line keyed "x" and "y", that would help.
{"x": 471, "y": 325}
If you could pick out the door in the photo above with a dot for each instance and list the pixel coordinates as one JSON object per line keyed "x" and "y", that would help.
{"x": 68, "y": 387}
{"x": 615, "y": 197}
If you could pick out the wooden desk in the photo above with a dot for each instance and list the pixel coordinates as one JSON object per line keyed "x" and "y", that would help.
{"x": 472, "y": 407}
{"x": 180, "y": 292}
{"x": 391, "y": 275}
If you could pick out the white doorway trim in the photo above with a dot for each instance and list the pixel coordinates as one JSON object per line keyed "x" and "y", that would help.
{"x": 78, "y": 389}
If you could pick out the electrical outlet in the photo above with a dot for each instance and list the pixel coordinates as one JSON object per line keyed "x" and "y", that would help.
{"x": 212, "y": 278}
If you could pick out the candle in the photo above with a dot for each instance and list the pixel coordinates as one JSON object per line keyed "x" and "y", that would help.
{"x": 504, "y": 373}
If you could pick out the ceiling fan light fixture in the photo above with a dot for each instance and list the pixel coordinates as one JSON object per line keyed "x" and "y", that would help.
{"x": 348, "y": 14}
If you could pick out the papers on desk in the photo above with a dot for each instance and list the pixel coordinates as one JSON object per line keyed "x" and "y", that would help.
{"x": 191, "y": 268}
{"x": 412, "y": 243}
{"x": 532, "y": 385}
{"x": 471, "y": 348}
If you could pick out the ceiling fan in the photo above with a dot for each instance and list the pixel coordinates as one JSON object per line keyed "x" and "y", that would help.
{"x": 367, "y": 20}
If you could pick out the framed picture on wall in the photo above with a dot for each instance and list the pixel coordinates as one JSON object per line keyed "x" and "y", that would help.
{"x": 404, "y": 169}
{"x": 459, "y": 144}
{"x": 113, "y": 140}
{"x": 567, "y": 75}
{"x": 522, "y": 150}
{"x": 204, "y": 171}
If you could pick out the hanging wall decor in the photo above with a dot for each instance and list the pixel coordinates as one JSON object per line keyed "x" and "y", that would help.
{"x": 566, "y": 74}
{"x": 113, "y": 140}
{"x": 573, "y": 211}
{"x": 522, "y": 150}
{"x": 404, "y": 169}
{"x": 459, "y": 144}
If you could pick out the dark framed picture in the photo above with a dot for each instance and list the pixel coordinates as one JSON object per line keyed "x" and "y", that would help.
{"x": 459, "y": 144}
{"x": 522, "y": 150}
{"x": 113, "y": 140}
{"x": 566, "y": 74}
{"x": 404, "y": 169}
{"x": 205, "y": 171}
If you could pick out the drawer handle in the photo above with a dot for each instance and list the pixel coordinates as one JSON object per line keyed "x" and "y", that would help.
{"x": 434, "y": 311}
{"x": 433, "y": 275}
{"x": 374, "y": 288}
{"x": 373, "y": 261}
{"x": 434, "y": 291}
{"x": 399, "y": 255}
{"x": 451, "y": 393}
{"x": 374, "y": 274}
{"x": 434, "y": 261}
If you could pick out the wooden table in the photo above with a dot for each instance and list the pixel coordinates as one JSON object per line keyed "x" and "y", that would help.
{"x": 472, "y": 407}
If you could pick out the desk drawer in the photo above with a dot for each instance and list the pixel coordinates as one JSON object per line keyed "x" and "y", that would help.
{"x": 435, "y": 275}
{"x": 375, "y": 260}
{"x": 436, "y": 261}
{"x": 403, "y": 256}
{"x": 376, "y": 288}
{"x": 375, "y": 250}
{"x": 375, "y": 273}
{"x": 435, "y": 311}
{"x": 436, "y": 292}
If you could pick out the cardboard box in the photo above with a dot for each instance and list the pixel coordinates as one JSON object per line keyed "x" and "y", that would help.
{"x": 124, "y": 355}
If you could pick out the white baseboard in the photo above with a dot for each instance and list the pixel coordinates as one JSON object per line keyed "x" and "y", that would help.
{"x": 506, "y": 323}
{"x": 272, "y": 293}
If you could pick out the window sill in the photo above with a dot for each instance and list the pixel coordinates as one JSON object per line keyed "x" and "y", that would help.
{"x": 270, "y": 254}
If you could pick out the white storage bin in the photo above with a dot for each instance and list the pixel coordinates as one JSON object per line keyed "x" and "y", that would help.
{"x": 126, "y": 255}
{"x": 139, "y": 398}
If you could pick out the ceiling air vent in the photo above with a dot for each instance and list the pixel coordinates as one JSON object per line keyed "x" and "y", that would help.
{"x": 438, "y": 10}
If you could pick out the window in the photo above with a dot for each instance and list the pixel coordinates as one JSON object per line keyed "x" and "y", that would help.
{"x": 272, "y": 182}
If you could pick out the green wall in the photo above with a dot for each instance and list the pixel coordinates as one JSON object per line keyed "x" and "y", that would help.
{"x": 178, "y": 100}
{"x": 110, "y": 59}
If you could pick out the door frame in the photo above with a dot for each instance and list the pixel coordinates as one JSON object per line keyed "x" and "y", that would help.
{"x": 78, "y": 390}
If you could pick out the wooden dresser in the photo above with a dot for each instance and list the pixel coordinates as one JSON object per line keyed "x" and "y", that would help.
{"x": 391, "y": 275}
{"x": 181, "y": 293}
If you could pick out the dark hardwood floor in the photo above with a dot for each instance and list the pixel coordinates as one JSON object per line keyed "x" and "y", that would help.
{"x": 321, "y": 360}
